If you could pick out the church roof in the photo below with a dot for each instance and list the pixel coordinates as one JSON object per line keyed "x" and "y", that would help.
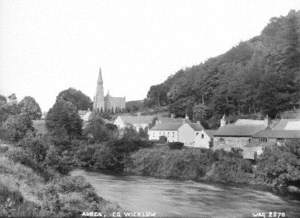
{"x": 232, "y": 130}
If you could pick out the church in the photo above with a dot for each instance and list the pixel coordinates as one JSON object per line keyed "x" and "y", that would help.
{"x": 107, "y": 103}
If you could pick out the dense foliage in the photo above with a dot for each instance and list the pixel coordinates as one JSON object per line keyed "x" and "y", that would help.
{"x": 99, "y": 131}
{"x": 16, "y": 127}
{"x": 63, "y": 120}
{"x": 76, "y": 97}
{"x": 195, "y": 164}
{"x": 259, "y": 75}
{"x": 30, "y": 107}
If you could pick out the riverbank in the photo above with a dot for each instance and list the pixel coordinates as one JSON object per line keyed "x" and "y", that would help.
{"x": 175, "y": 198}
{"x": 277, "y": 167}
{"x": 25, "y": 193}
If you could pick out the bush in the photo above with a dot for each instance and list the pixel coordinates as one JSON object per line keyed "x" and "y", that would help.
{"x": 30, "y": 107}
{"x": 17, "y": 126}
{"x": 279, "y": 165}
{"x": 98, "y": 131}
{"x": 12, "y": 204}
{"x": 175, "y": 145}
{"x": 63, "y": 118}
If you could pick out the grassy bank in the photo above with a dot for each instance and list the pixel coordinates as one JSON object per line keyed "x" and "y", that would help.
{"x": 23, "y": 192}
{"x": 277, "y": 167}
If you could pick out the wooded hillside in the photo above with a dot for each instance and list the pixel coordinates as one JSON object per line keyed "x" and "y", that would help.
{"x": 259, "y": 75}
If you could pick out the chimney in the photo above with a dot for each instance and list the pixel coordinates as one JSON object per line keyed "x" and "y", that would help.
{"x": 198, "y": 122}
{"x": 138, "y": 113}
{"x": 223, "y": 121}
{"x": 186, "y": 117}
{"x": 267, "y": 121}
{"x": 172, "y": 115}
{"x": 157, "y": 121}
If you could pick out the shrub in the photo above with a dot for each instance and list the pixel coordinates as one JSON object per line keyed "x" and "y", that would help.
{"x": 17, "y": 126}
{"x": 12, "y": 204}
{"x": 30, "y": 107}
{"x": 63, "y": 118}
{"x": 98, "y": 131}
{"x": 175, "y": 145}
{"x": 279, "y": 166}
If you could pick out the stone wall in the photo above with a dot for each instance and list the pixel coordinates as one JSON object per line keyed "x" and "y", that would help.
{"x": 227, "y": 143}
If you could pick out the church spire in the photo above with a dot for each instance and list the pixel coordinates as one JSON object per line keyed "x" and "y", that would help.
{"x": 100, "y": 80}
{"x": 99, "y": 97}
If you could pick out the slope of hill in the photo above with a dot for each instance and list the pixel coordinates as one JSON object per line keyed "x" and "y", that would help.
{"x": 259, "y": 75}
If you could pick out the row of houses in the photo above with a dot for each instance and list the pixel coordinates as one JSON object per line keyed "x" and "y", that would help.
{"x": 183, "y": 130}
{"x": 251, "y": 136}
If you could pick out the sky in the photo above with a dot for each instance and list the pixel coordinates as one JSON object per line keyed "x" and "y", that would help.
{"x": 47, "y": 46}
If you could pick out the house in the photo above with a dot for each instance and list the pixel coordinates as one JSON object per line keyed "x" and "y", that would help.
{"x": 239, "y": 134}
{"x": 285, "y": 129}
{"x": 180, "y": 130}
{"x": 137, "y": 122}
{"x": 204, "y": 139}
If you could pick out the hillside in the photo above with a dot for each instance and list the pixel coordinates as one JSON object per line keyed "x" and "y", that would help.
{"x": 25, "y": 193}
{"x": 258, "y": 75}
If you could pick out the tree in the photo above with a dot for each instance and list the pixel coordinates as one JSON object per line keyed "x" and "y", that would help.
{"x": 30, "y": 107}
{"x": 97, "y": 130}
{"x": 63, "y": 117}
{"x": 3, "y": 100}
{"x": 17, "y": 126}
{"x": 201, "y": 112}
{"x": 76, "y": 97}
{"x": 8, "y": 109}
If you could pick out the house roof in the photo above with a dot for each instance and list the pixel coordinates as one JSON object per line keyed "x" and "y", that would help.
{"x": 137, "y": 119}
{"x": 288, "y": 124}
{"x": 272, "y": 133}
{"x": 238, "y": 130}
{"x": 210, "y": 132}
{"x": 249, "y": 122}
{"x": 170, "y": 126}
{"x": 166, "y": 123}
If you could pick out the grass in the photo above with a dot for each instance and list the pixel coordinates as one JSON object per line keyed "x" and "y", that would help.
{"x": 25, "y": 193}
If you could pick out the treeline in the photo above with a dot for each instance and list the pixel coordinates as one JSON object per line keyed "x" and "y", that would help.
{"x": 276, "y": 167}
{"x": 259, "y": 75}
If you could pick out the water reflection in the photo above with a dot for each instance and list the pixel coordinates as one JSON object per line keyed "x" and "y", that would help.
{"x": 186, "y": 198}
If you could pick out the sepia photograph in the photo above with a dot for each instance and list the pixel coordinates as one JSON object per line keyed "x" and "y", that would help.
{"x": 150, "y": 109}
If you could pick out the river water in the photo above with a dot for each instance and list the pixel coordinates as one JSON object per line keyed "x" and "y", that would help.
{"x": 187, "y": 198}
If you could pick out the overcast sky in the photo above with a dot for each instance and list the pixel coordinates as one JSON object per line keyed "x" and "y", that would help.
{"x": 47, "y": 46}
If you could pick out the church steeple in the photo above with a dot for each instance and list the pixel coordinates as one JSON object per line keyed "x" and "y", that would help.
{"x": 99, "y": 97}
{"x": 100, "y": 80}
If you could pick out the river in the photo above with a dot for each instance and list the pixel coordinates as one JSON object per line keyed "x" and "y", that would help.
{"x": 187, "y": 198}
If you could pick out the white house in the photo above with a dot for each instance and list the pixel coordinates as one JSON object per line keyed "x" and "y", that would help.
{"x": 204, "y": 139}
{"x": 181, "y": 130}
{"x": 137, "y": 122}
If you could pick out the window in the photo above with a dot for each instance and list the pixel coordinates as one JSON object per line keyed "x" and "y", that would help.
{"x": 221, "y": 140}
{"x": 202, "y": 135}
{"x": 263, "y": 139}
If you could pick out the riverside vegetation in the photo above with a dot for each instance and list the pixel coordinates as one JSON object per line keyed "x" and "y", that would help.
{"x": 34, "y": 180}
{"x": 34, "y": 168}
